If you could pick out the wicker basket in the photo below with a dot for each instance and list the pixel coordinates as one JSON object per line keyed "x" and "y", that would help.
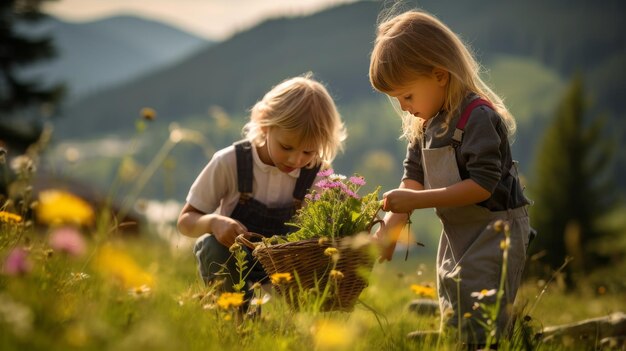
{"x": 311, "y": 269}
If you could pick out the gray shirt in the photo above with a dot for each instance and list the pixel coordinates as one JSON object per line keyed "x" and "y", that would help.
{"x": 483, "y": 156}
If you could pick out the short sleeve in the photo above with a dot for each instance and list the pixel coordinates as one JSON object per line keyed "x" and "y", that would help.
{"x": 213, "y": 184}
{"x": 413, "y": 163}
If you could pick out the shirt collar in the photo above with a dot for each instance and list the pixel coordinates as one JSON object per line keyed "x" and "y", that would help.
{"x": 267, "y": 168}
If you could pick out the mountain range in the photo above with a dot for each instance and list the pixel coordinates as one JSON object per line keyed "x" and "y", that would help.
{"x": 567, "y": 36}
{"x": 92, "y": 56}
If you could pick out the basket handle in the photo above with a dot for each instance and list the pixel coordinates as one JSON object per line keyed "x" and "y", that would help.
{"x": 376, "y": 220}
{"x": 245, "y": 239}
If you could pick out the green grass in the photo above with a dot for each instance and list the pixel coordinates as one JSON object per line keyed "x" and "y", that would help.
{"x": 59, "y": 312}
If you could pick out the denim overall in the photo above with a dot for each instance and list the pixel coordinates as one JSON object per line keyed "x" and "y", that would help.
{"x": 214, "y": 259}
{"x": 469, "y": 257}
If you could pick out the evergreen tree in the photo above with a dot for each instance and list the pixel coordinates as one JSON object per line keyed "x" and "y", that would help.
{"x": 572, "y": 186}
{"x": 17, "y": 50}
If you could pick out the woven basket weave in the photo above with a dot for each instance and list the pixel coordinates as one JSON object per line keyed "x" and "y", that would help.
{"x": 311, "y": 268}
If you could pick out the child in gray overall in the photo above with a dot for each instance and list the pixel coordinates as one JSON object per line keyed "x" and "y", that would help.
{"x": 256, "y": 185}
{"x": 459, "y": 162}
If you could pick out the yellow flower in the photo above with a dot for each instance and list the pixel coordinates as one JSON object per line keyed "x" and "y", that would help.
{"x": 120, "y": 267}
{"x": 332, "y": 335}
{"x": 498, "y": 225}
{"x": 8, "y": 217}
{"x": 335, "y": 274}
{"x": 423, "y": 290}
{"x": 230, "y": 299}
{"x": 505, "y": 244}
{"x": 331, "y": 251}
{"x": 58, "y": 207}
{"x": 148, "y": 113}
{"x": 467, "y": 315}
{"x": 280, "y": 278}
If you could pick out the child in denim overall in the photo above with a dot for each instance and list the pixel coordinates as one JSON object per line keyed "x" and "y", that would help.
{"x": 256, "y": 184}
{"x": 458, "y": 161}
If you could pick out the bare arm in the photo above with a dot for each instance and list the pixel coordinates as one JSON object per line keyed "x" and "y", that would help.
{"x": 194, "y": 223}
{"x": 387, "y": 236}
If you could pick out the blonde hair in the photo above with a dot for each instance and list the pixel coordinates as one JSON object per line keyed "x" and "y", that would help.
{"x": 411, "y": 45}
{"x": 303, "y": 105}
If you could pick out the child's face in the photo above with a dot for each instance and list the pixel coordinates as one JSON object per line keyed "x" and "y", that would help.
{"x": 286, "y": 151}
{"x": 423, "y": 97}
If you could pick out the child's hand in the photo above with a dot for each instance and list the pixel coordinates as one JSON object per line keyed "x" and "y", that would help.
{"x": 386, "y": 246}
{"x": 226, "y": 229}
{"x": 400, "y": 200}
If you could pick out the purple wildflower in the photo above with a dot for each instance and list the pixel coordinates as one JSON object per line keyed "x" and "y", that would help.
{"x": 17, "y": 262}
{"x": 326, "y": 172}
{"x": 68, "y": 240}
{"x": 360, "y": 181}
{"x": 332, "y": 185}
{"x": 312, "y": 196}
{"x": 351, "y": 194}
{"x": 327, "y": 184}
{"x": 322, "y": 184}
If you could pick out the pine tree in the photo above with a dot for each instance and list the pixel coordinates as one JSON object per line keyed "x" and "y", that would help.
{"x": 17, "y": 50}
{"x": 572, "y": 188}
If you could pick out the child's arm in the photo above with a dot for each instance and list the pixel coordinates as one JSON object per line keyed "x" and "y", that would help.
{"x": 194, "y": 223}
{"x": 388, "y": 234}
{"x": 463, "y": 193}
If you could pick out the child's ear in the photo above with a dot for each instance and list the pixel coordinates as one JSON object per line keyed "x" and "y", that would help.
{"x": 441, "y": 75}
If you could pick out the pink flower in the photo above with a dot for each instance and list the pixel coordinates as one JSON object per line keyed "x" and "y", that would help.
{"x": 68, "y": 240}
{"x": 327, "y": 184}
{"x": 357, "y": 180}
{"x": 351, "y": 194}
{"x": 326, "y": 172}
{"x": 17, "y": 262}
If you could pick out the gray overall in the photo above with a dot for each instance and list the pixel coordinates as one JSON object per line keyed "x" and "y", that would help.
{"x": 469, "y": 257}
{"x": 214, "y": 259}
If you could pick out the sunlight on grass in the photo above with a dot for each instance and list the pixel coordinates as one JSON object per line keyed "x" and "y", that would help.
{"x": 72, "y": 278}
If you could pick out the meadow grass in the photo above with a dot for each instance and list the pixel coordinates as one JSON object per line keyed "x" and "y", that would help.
{"x": 76, "y": 282}
{"x": 65, "y": 302}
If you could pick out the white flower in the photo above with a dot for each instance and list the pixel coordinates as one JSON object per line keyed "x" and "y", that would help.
{"x": 483, "y": 293}
{"x": 258, "y": 301}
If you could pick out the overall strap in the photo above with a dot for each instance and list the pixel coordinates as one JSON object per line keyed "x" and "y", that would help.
{"x": 243, "y": 151}
{"x": 457, "y": 138}
{"x": 305, "y": 180}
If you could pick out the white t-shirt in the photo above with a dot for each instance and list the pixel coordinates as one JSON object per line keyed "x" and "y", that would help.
{"x": 215, "y": 189}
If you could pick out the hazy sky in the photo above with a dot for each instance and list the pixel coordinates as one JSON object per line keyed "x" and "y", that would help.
{"x": 213, "y": 19}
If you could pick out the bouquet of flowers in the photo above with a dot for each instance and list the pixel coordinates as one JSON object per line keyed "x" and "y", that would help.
{"x": 327, "y": 257}
{"x": 336, "y": 210}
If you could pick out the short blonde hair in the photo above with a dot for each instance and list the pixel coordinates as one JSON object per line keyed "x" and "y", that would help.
{"x": 411, "y": 45}
{"x": 303, "y": 105}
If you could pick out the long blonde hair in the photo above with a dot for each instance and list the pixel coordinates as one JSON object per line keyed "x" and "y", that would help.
{"x": 411, "y": 45}
{"x": 302, "y": 105}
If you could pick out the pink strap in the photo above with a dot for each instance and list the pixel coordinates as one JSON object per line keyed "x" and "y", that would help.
{"x": 468, "y": 110}
{"x": 457, "y": 137}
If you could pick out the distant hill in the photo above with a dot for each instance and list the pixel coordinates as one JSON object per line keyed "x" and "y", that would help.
{"x": 93, "y": 56}
{"x": 529, "y": 49}
{"x": 335, "y": 44}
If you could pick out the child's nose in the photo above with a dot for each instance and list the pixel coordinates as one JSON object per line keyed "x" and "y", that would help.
{"x": 296, "y": 158}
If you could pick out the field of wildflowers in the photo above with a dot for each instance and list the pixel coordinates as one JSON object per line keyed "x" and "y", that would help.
{"x": 70, "y": 279}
